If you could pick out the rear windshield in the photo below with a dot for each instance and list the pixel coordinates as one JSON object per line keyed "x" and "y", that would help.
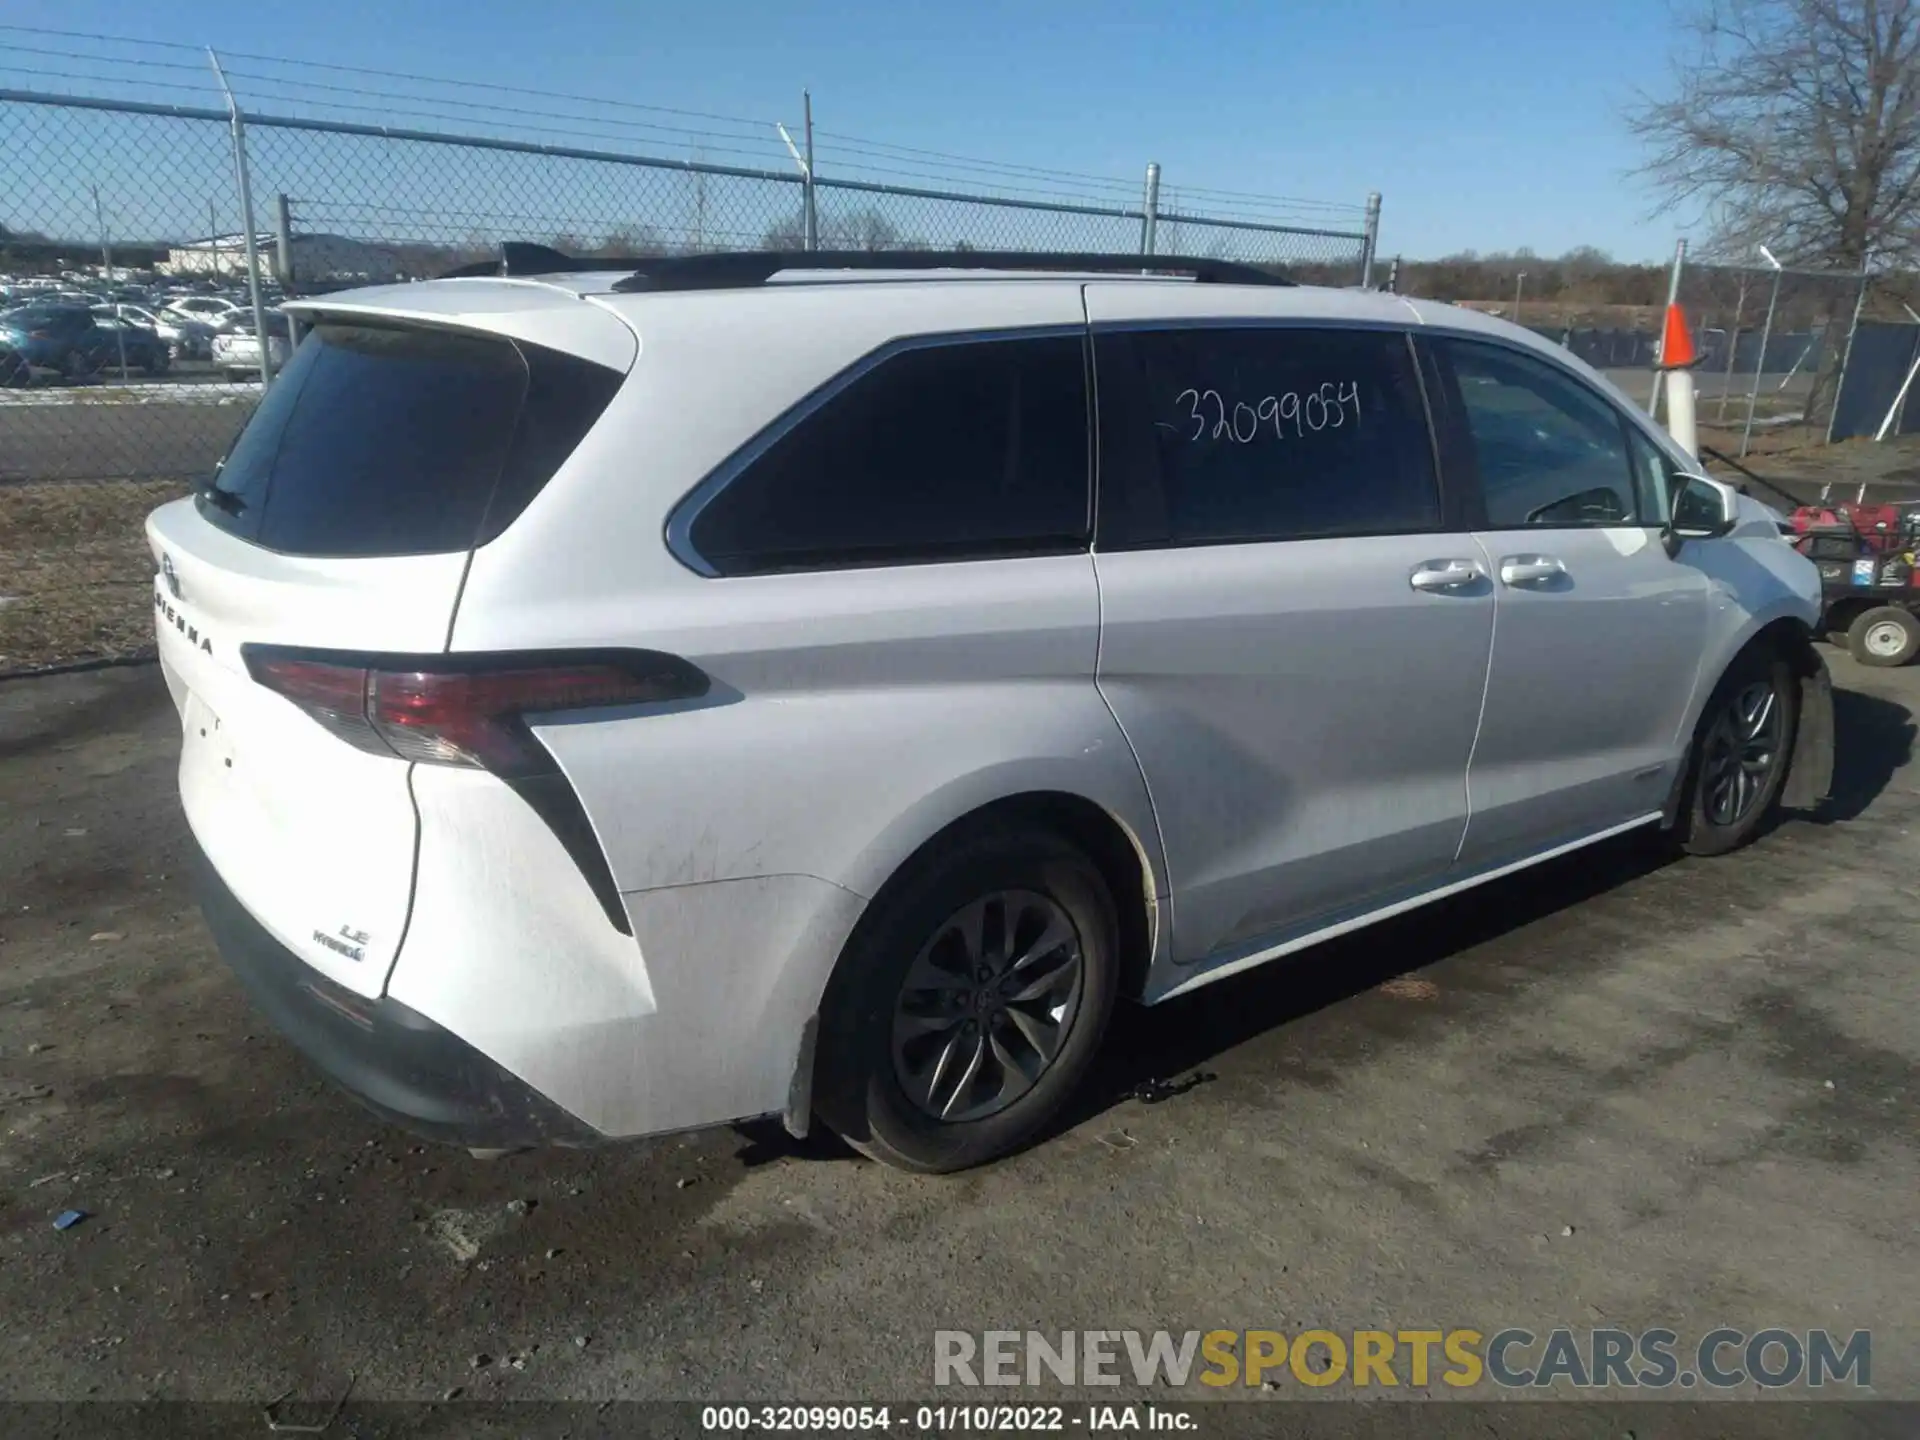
{"x": 380, "y": 440}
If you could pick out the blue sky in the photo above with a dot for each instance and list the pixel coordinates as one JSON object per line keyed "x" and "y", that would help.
{"x": 1486, "y": 124}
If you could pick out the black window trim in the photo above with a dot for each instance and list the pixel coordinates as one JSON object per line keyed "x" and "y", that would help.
{"x": 1454, "y": 508}
{"x": 1458, "y": 439}
{"x": 678, "y": 532}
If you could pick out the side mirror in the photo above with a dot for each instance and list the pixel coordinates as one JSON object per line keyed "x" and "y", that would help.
{"x": 1702, "y": 509}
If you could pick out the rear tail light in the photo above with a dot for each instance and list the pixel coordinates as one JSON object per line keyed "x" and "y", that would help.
{"x": 466, "y": 710}
{"x": 472, "y": 710}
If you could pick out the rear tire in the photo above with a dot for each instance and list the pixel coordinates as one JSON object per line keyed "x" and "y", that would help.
{"x": 1741, "y": 750}
{"x": 1884, "y": 636}
{"x": 934, "y": 1056}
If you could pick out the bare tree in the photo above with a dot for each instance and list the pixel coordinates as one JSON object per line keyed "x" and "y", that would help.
{"x": 1795, "y": 124}
{"x": 864, "y": 228}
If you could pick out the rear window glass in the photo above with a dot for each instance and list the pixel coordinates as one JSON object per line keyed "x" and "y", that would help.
{"x": 377, "y": 440}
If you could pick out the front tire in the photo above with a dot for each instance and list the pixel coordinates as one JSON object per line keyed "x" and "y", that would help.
{"x": 1884, "y": 636}
{"x": 1741, "y": 751}
{"x": 970, "y": 1003}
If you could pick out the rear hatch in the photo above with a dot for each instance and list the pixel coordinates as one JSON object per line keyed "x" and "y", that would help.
{"x": 341, "y": 523}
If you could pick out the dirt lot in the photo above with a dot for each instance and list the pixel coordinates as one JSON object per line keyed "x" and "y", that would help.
{"x": 1611, "y": 1092}
{"x": 76, "y": 577}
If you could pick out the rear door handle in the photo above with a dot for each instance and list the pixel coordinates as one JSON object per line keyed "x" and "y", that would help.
{"x": 1446, "y": 575}
{"x": 1530, "y": 570}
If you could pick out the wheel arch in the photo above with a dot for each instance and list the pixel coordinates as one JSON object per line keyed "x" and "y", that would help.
{"x": 1117, "y": 849}
{"x": 1117, "y": 852}
{"x": 1810, "y": 767}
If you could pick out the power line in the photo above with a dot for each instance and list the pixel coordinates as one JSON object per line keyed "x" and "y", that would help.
{"x": 836, "y": 161}
{"x": 883, "y": 146}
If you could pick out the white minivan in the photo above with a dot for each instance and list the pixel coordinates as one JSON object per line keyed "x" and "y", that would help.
{"x": 624, "y": 700}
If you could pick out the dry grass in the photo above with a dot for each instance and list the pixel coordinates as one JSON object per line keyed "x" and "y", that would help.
{"x": 75, "y": 572}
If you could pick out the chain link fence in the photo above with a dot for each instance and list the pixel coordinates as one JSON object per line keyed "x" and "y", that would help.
{"x": 1773, "y": 345}
{"x": 134, "y": 232}
{"x": 133, "y": 203}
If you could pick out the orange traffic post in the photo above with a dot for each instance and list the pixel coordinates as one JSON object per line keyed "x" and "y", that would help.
{"x": 1676, "y": 342}
{"x": 1677, "y": 356}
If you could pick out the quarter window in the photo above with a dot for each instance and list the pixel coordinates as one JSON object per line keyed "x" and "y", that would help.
{"x": 1551, "y": 451}
{"x": 955, "y": 451}
{"x": 1261, "y": 434}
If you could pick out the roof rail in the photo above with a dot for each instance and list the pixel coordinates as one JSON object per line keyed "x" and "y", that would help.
{"x": 522, "y": 257}
{"x": 741, "y": 268}
{"x": 754, "y": 267}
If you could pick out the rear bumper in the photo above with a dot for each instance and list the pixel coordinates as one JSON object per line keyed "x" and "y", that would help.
{"x": 392, "y": 1059}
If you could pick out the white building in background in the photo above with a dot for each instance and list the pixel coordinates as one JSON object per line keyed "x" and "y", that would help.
{"x": 315, "y": 258}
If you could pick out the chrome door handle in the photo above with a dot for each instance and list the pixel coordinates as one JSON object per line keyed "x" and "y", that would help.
{"x": 1445, "y": 575}
{"x": 1530, "y": 570}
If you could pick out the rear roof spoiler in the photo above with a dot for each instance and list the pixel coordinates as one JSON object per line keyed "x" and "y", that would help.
{"x": 738, "y": 269}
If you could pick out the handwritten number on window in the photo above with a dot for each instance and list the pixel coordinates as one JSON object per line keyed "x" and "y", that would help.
{"x": 1325, "y": 407}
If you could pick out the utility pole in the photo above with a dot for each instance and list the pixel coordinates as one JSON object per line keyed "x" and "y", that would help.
{"x": 1518, "y": 281}
{"x": 106, "y": 274}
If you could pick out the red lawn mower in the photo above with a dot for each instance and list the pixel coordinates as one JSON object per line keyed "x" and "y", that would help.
{"x": 1867, "y": 574}
{"x": 1869, "y": 581}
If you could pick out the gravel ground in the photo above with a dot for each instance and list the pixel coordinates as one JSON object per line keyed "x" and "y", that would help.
{"x": 1613, "y": 1091}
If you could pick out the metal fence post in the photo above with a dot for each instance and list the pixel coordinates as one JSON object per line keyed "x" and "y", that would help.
{"x": 1371, "y": 243}
{"x": 1846, "y": 351}
{"x": 812, "y": 209}
{"x": 1733, "y": 344}
{"x": 1673, "y": 298}
{"x": 239, "y": 126}
{"x": 1760, "y": 361}
{"x": 1150, "y": 212}
{"x": 283, "y": 258}
{"x": 283, "y": 241}
{"x": 106, "y": 274}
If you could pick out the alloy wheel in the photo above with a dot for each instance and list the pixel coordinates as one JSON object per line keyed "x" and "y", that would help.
{"x": 1742, "y": 750}
{"x": 987, "y": 1005}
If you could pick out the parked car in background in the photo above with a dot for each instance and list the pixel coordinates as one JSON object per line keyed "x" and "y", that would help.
{"x": 70, "y": 341}
{"x": 236, "y": 349}
{"x": 185, "y": 338}
{"x": 211, "y": 309}
{"x": 966, "y": 652}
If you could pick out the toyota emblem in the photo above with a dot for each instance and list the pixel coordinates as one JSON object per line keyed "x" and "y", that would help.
{"x": 172, "y": 577}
